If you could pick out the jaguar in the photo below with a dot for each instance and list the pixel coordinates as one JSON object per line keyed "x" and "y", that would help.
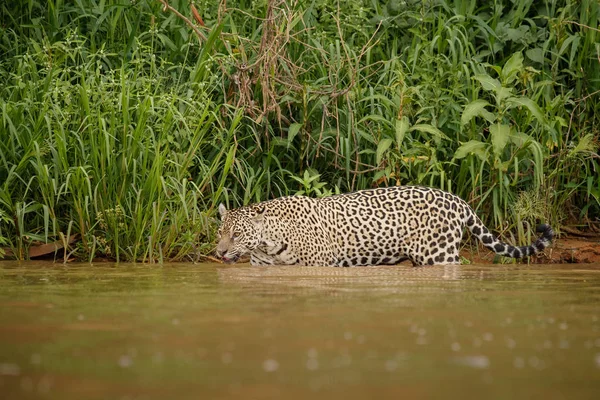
{"x": 366, "y": 227}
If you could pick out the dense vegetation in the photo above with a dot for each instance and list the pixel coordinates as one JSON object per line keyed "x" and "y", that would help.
{"x": 124, "y": 126}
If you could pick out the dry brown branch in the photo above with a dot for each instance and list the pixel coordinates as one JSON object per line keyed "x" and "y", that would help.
{"x": 578, "y": 105}
{"x": 582, "y": 25}
{"x": 268, "y": 67}
{"x": 167, "y": 6}
{"x": 369, "y": 168}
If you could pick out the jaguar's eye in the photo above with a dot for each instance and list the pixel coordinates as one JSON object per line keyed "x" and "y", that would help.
{"x": 235, "y": 235}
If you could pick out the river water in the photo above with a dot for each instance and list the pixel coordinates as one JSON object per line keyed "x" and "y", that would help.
{"x": 208, "y": 331}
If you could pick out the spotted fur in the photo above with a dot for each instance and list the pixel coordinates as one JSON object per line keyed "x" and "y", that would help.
{"x": 368, "y": 227}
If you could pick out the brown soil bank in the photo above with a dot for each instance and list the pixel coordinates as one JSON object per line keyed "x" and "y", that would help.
{"x": 565, "y": 250}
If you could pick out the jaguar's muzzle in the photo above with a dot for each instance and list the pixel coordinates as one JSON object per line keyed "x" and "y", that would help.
{"x": 230, "y": 260}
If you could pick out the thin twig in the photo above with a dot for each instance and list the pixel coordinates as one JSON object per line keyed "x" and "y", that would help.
{"x": 369, "y": 167}
{"x": 581, "y": 25}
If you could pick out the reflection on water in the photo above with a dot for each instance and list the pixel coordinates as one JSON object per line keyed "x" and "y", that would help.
{"x": 374, "y": 279}
{"x": 217, "y": 332}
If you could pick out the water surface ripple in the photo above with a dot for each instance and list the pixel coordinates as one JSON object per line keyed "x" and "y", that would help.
{"x": 209, "y": 331}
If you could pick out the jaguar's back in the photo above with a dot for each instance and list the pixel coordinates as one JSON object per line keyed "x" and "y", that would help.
{"x": 385, "y": 226}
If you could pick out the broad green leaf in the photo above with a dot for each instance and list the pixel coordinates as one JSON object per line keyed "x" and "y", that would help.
{"x": 277, "y": 141}
{"x": 382, "y": 147}
{"x": 561, "y": 121}
{"x": 401, "y": 128}
{"x": 292, "y": 132}
{"x": 512, "y": 68}
{"x": 500, "y": 134}
{"x": 375, "y": 117}
{"x": 311, "y": 178}
{"x": 367, "y": 135}
{"x": 31, "y": 207}
{"x": 295, "y": 21}
{"x": 503, "y": 93}
{"x": 535, "y": 54}
{"x": 429, "y": 129}
{"x": 306, "y": 176}
{"x": 473, "y": 109}
{"x": 568, "y": 42}
{"x": 167, "y": 42}
{"x": 378, "y": 98}
{"x": 518, "y": 34}
{"x": 488, "y": 116}
{"x": 519, "y": 139}
{"x": 531, "y": 106}
{"x": 574, "y": 48}
{"x": 485, "y": 27}
{"x": 380, "y": 174}
{"x": 366, "y": 152}
{"x": 489, "y": 83}
{"x": 471, "y": 147}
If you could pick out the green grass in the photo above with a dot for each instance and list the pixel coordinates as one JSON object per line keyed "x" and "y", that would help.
{"x": 120, "y": 126}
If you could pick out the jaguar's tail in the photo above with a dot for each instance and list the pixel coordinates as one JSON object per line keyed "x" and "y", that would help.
{"x": 491, "y": 242}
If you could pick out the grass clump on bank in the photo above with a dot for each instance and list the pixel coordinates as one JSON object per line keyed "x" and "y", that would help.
{"x": 121, "y": 127}
{"x": 104, "y": 153}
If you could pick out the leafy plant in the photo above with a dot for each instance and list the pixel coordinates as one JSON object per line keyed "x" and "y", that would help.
{"x": 311, "y": 185}
{"x": 123, "y": 106}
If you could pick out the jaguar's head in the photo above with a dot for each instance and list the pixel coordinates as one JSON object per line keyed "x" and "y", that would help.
{"x": 240, "y": 231}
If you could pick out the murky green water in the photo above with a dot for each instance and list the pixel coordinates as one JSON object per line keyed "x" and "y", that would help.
{"x": 219, "y": 332}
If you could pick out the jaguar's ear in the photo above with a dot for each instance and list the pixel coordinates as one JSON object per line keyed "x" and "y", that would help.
{"x": 222, "y": 210}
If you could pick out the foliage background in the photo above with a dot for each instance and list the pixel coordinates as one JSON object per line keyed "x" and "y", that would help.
{"x": 124, "y": 127}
